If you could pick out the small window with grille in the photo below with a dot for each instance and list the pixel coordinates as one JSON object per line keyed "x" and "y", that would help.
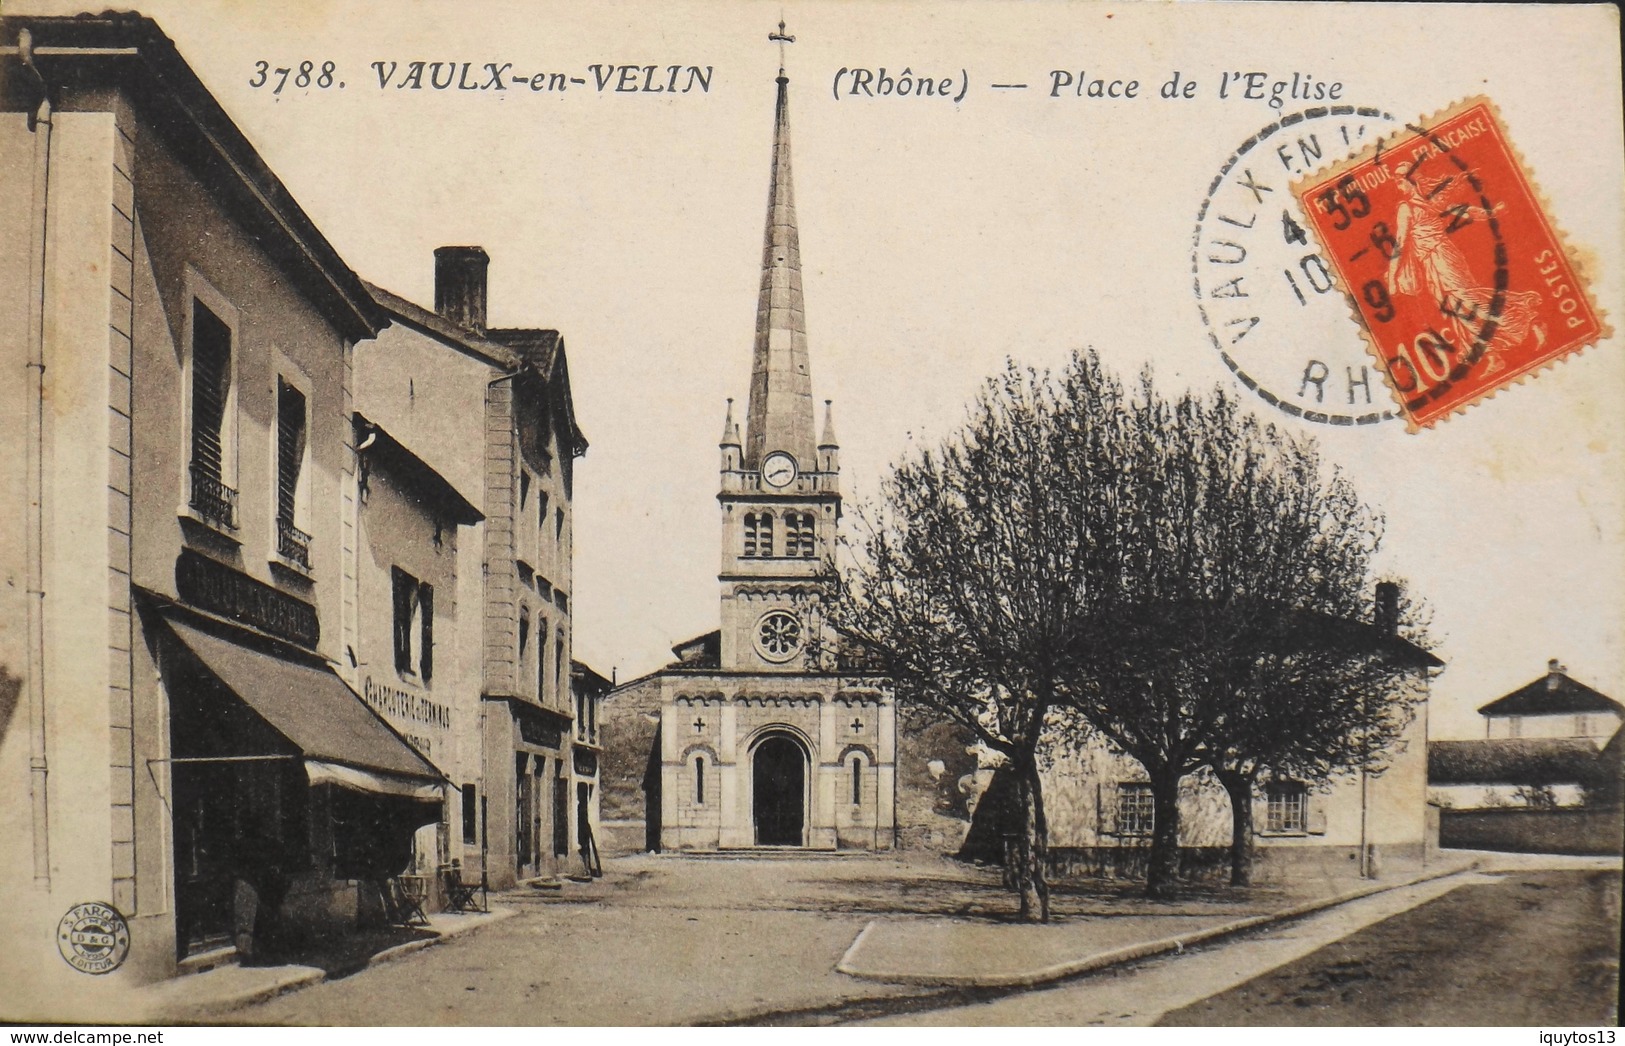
{"x": 1136, "y": 812}
{"x": 1286, "y": 805}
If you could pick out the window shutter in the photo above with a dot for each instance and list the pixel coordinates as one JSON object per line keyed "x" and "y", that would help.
{"x": 211, "y": 381}
{"x": 426, "y": 608}
{"x": 1315, "y": 814}
{"x": 403, "y": 619}
{"x": 290, "y": 439}
{"x": 1261, "y": 811}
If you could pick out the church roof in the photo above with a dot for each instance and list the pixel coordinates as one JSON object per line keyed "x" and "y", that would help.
{"x": 780, "y": 415}
{"x": 1554, "y": 693}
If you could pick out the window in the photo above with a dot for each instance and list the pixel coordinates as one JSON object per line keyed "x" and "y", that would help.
{"x": 541, "y": 510}
{"x": 778, "y": 635}
{"x": 1136, "y": 813}
{"x": 857, "y": 779}
{"x": 1286, "y": 807}
{"x": 558, "y": 664}
{"x": 524, "y": 632}
{"x": 798, "y": 539}
{"x": 524, "y": 488}
{"x": 699, "y": 780}
{"x": 541, "y": 667}
{"x": 211, "y": 497}
{"x": 758, "y": 534}
{"x": 561, "y": 811}
{"x": 524, "y": 808}
{"x": 291, "y": 438}
{"x": 558, "y": 524}
{"x": 414, "y": 625}
{"x": 471, "y": 815}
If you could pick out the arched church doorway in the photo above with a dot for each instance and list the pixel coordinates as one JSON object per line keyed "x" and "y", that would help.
{"x": 779, "y": 777}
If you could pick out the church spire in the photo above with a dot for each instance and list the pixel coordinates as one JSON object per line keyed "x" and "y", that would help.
{"x": 780, "y": 412}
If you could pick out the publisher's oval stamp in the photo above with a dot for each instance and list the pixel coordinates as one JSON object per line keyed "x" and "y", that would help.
{"x": 1265, "y": 289}
{"x": 1458, "y": 280}
{"x": 93, "y": 938}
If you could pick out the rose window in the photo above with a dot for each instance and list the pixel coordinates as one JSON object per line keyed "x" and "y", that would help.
{"x": 778, "y": 635}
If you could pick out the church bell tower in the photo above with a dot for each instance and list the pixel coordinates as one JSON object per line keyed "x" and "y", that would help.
{"x": 780, "y": 491}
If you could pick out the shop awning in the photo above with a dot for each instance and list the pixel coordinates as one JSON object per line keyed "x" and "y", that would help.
{"x": 343, "y": 740}
{"x": 371, "y": 781}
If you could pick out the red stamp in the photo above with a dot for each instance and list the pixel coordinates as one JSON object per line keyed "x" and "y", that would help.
{"x": 1460, "y": 281}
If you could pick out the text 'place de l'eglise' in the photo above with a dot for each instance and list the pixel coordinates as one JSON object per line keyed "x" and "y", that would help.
{"x": 286, "y": 646}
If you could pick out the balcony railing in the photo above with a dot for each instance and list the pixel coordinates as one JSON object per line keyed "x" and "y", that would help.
{"x": 292, "y": 543}
{"x": 212, "y": 499}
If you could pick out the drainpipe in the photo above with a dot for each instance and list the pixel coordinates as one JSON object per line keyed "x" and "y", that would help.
{"x": 39, "y": 122}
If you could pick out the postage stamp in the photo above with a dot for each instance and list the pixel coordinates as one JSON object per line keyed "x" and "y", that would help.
{"x": 1461, "y": 283}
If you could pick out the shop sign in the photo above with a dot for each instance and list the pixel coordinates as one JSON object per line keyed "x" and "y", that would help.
{"x": 536, "y": 729}
{"x": 219, "y": 589}
{"x": 408, "y": 712}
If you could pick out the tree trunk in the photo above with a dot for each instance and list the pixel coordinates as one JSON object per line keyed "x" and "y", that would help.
{"x": 1162, "y": 874}
{"x": 1031, "y": 846}
{"x": 1239, "y": 788}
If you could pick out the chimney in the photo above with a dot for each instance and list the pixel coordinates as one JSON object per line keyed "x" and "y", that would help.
{"x": 1554, "y": 672}
{"x": 1387, "y": 611}
{"x": 459, "y": 285}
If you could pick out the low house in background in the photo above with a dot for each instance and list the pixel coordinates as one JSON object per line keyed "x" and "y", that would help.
{"x": 587, "y": 688}
{"x": 1545, "y": 778}
{"x": 1554, "y": 705}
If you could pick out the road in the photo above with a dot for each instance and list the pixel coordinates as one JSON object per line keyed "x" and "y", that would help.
{"x": 1515, "y": 948}
{"x": 706, "y": 941}
{"x": 1535, "y": 948}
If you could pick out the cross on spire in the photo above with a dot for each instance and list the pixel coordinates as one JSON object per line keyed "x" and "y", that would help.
{"x": 781, "y": 38}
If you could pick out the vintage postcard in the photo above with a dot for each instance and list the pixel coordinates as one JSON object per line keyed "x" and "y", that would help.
{"x": 1064, "y": 514}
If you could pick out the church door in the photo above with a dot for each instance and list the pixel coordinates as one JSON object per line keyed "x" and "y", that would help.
{"x": 780, "y": 777}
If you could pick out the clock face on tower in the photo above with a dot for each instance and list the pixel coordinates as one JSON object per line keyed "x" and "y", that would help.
{"x": 779, "y": 469}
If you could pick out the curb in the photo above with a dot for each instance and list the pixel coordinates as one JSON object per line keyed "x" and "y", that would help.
{"x": 315, "y": 975}
{"x": 1132, "y": 952}
{"x": 391, "y": 954}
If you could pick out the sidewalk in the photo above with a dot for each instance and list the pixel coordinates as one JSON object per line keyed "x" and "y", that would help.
{"x": 975, "y": 954}
{"x": 198, "y": 997}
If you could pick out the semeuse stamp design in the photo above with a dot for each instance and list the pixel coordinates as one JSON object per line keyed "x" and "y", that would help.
{"x": 93, "y": 938}
{"x": 1459, "y": 280}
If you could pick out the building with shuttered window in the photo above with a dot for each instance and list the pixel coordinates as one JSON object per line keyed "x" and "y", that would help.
{"x": 214, "y": 556}
{"x": 490, "y": 410}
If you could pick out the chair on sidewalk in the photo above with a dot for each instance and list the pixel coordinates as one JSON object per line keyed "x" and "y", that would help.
{"x": 403, "y": 901}
{"x": 460, "y": 894}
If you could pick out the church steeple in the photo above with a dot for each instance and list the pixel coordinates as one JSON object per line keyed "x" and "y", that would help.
{"x": 780, "y": 412}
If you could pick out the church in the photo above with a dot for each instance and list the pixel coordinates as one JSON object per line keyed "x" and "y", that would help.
{"x": 753, "y": 737}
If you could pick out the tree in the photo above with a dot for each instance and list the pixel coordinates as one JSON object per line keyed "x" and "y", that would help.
{"x": 966, "y": 585}
{"x": 1174, "y": 575}
{"x": 1231, "y": 575}
{"x": 1322, "y": 697}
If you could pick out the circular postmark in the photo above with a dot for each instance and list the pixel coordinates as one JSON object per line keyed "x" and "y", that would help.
{"x": 1268, "y": 300}
{"x": 93, "y": 938}
{"x": 1410, "y": 225}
